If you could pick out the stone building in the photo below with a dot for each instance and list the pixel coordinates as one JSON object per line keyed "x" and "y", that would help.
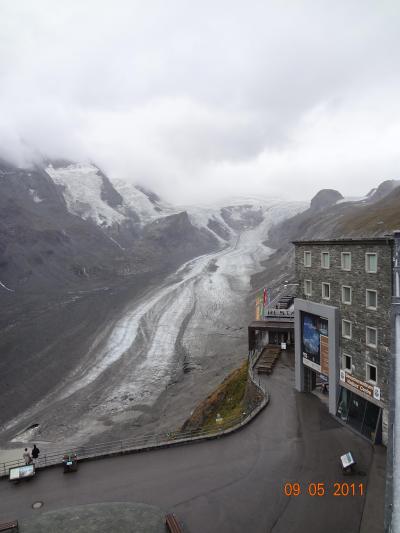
{"x": 343, "y": 328}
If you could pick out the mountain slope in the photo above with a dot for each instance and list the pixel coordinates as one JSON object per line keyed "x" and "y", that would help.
{"x": 67, "y": 225}
{"x": 375, "y": 215}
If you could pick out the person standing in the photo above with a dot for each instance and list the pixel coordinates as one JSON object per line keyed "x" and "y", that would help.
{"x": 27, "y": 457}
{"x": 35, "y": 452}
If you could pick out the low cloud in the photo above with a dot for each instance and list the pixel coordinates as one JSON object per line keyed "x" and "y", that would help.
{"x": 206, "y": 100}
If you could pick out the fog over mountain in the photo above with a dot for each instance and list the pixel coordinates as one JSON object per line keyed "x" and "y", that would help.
{"x": 196, "y": 99}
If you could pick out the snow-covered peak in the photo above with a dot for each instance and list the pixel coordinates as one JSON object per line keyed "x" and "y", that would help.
{"x": 82, "y": 188}
{"x": 147, "y": 206}
{"x": 228, "y": 219}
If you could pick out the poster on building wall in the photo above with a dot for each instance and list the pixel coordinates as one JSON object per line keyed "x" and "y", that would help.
{"x": 313, "y": 328}
{"x": 324, "y": 350}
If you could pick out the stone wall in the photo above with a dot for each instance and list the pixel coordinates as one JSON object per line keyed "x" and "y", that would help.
{"x": 356, "y": 312}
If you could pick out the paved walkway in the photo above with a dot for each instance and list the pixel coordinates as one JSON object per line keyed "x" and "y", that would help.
{"x": 229, "y": 485}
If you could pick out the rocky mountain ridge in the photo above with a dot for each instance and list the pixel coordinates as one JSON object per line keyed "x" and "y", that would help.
{"x": 330, "y": 216}
{"x": 64, "y": 224}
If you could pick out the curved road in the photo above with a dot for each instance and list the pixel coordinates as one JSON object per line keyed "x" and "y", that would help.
{"x": 230, "y": 485}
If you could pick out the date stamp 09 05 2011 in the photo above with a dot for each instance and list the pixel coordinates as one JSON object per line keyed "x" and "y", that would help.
{"x": 324, "y": 489}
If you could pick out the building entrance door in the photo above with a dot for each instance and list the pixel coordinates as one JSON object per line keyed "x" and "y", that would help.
{"x": 360, "y": 414}
{"x": 356, "y": 413}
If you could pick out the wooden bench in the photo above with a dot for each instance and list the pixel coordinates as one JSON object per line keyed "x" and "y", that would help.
{"x": 173, "y": 524}
{"x": 9, "y": 526}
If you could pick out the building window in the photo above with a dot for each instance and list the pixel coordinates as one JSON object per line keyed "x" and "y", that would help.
{"x": 346, "y": 329}
{"x": 346, "y": 294}
{"x": 371, "y": 263}
{"x": 326, "y": 291}
{"x": 371, "y": 337}
{"x": 371, "y": 299}
{"x": 346, "y": 260}
{"x": 307, "y": 259}
{"x": 372, "y": 373}
{"x": 347, "y": 363}
{"x": 307, "y": 287}
{"x": 325, "y": 260}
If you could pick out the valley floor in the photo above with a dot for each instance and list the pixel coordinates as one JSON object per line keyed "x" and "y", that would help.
{"x": 123, "y": 360}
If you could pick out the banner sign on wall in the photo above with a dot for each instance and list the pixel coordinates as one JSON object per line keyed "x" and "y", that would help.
{"x": 324, "y": 350}
{"x": 260, "y": 305}
{"x": 360, "y": 386}
{"x": 263, "y": 299}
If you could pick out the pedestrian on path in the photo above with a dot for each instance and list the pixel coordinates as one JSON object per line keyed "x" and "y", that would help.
{"x": 27, "y": 457}
{"x": 35, "y": 452}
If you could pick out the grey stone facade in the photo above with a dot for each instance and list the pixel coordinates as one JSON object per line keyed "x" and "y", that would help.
{"x": 357, "y": 312}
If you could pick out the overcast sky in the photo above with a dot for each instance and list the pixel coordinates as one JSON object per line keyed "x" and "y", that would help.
{"x": 203, "y": 99}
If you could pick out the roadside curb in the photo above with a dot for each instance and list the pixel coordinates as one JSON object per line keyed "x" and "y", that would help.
{"x": 174, "y": 442}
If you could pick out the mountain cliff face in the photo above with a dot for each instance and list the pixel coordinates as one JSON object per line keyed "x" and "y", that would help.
{"x": 63, "y": 224}
{"x": 376, "y": 214}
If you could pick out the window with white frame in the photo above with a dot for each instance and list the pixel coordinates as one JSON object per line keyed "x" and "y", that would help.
{"x": 307, "y": 287}
{"x": 371, "y": 299}
{"x": 346, "y": 329}
{"x": 372, "y": 373}
{"x": 346, "y": 294}
{"x": 325, "y": 260}
{"x": 347, "y": 363}
{"x": 326, "y": 291}
{"x": 371, "y": 263}
{"x": 371, "y": 337}
{"x": 346, "y": 260}
{"x": 307, "y": 259}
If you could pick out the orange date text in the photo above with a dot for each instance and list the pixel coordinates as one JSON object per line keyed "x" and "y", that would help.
{"x": 319, "y": 489}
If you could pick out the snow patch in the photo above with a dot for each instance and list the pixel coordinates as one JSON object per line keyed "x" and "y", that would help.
{"x": 353, "y": 199}
{"x": 5, "y": 287}
{"x": 134, "y": 198}
{"x": 82, "y": 193}
{"x": 35, "y": 197}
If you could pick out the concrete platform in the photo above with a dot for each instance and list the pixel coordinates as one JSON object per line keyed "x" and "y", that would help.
{"x": 232, "y": 484}
{"x": 98, "y": 518}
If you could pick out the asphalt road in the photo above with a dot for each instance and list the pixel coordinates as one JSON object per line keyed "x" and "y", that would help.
{"x": 230, "y": 485}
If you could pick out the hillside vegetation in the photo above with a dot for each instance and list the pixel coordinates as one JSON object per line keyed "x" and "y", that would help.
{"x": 228, "y": 401}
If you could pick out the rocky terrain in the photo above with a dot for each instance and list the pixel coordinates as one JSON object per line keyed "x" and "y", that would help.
{"x": 119, "y": 311}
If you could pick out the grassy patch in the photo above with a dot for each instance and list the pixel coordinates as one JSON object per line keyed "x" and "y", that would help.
{"x": 227, "y": 401}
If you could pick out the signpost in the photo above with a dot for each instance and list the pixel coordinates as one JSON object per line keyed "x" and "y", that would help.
{"x": 21, "y": 472}
{"x": 347, "y": 463}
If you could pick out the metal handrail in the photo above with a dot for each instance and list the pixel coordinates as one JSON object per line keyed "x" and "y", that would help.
{"x": 145, "y": 441}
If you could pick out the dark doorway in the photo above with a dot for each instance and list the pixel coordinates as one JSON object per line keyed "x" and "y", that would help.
{"x": 360, "y": 414}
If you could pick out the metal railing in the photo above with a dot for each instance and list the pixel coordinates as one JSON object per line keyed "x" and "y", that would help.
{"x": 149, "y": 441}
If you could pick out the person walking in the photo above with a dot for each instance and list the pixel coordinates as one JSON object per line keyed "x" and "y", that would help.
{"x": 35, "y": 452}
{"x": 27, "y": 457}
